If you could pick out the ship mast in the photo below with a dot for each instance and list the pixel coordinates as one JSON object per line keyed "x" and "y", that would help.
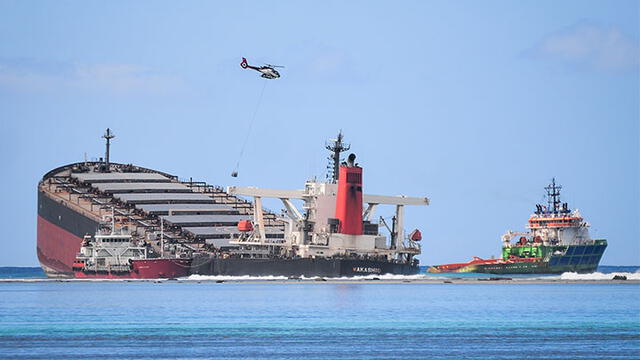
{"x": 336, "y": 147}
{"x": 553, "y": 196}
{"x": 108, "y": 135}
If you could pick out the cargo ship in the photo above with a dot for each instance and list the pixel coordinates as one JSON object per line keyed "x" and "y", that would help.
{"x": 217, "y": 231}
{"x": 557, "y": 241}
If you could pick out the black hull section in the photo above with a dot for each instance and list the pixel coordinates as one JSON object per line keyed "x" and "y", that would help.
{"x": 298, "y": 267}
{"x": 64, "y": 217}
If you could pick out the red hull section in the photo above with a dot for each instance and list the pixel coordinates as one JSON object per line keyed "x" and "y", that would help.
{"x": 162, "y": 268}
{"x": 145, "y": 269}
{"x": 476, "y": 262}
{"x": 57, "y": 248}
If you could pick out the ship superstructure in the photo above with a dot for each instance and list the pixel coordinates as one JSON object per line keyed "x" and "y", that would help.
{"x": 557, "y": 241}
{"x": 331, "y": 235}
{"x": 110, "y": 250}
{"x": 334, "y": 223}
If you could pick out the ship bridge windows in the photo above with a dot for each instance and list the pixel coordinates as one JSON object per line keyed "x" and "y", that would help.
{"x": 115, "y": 240}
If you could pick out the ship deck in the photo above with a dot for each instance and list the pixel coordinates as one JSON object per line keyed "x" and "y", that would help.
{"x": 194, "y": 212}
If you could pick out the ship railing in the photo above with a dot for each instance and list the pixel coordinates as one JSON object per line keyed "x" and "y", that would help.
{"x": 75, "y": 167}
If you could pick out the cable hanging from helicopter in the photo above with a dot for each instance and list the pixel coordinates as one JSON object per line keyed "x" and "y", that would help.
{"x": 268, "y": 72}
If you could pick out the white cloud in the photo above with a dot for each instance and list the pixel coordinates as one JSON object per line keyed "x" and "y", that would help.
{"x": 590, "y": 45}
{"x": 30, "y": 75}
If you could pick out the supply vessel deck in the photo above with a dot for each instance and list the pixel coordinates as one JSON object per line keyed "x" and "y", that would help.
{"x": 218, "y": 231}
{"x": 557, "y": 241}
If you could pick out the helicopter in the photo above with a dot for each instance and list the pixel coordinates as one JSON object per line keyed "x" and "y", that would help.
{"x": 268, "y": 71}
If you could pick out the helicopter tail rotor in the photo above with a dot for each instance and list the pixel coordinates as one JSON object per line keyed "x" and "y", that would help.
{"x": 244, "y": 63}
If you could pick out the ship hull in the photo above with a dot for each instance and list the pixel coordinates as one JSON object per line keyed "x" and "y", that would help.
{"x": 61, "y": 231}
{"x": 143, "y": 269}
{"x": 307, "y": 267}
{"x": 59, "y": 236}
{"x": 539, "y": 267}
{"x": 574, "y": 258}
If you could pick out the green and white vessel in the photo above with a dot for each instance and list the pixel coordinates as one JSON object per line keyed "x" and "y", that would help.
{"x": 557, "y": 241}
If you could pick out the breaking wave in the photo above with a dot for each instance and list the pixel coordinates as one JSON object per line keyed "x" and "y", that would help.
{"x": 383, "y": 277}
{"x": 277, "y": 278}
{"x": 599, "y": 276}
{"x": 197, "y": 277}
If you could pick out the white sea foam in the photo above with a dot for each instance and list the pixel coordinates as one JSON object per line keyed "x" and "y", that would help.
{"x": 382, "y": 277}
{"x": 275, "y": 278}
{"x": 599, "y": 276}
{"x": 197, "y": 277}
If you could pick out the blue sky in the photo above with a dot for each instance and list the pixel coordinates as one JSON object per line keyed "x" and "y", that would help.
{"x": 476, "y": 105}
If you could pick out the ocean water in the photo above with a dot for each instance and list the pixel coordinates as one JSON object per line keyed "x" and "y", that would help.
{"x": 318, "y": 320}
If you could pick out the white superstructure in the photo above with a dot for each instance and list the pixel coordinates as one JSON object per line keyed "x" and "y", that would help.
{"x": 314, "y": 230}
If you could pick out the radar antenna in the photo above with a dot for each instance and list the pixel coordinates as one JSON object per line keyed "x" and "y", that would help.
{"x": 336, "y": 146}
{"x": 553, "y": 196}
{"x": 108, "y": 135}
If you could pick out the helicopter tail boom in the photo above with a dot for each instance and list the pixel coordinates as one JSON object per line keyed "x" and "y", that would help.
{"x": 245, "y": 65}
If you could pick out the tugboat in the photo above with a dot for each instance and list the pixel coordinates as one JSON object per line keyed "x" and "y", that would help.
{"x": 116, "y": 254}
{"x": 558, "y": 241}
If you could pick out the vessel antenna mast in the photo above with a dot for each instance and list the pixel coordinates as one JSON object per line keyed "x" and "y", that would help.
{"x": 553, "y": 196}
{"x": 336, "y": 147}
{"x": 108, "y": 135}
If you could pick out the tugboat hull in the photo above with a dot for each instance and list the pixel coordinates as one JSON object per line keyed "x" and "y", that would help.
{"x": 574, "y": 258}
